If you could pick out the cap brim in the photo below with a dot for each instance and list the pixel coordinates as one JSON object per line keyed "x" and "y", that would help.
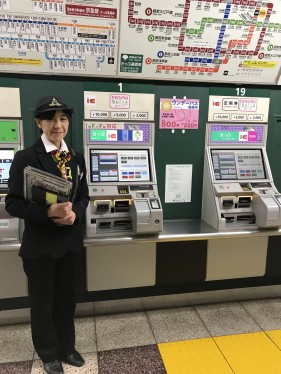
{"x": 68, "y": 110}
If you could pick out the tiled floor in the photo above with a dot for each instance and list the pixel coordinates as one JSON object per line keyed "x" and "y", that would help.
{"x": 237, "y": 337}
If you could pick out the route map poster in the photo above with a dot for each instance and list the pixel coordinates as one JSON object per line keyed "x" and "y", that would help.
{"x": 229, "y": 41}
{"x": 201, "y": 40}
{"x": 59, "y": 36}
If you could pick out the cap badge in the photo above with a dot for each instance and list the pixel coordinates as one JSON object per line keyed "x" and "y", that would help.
{"x": 54, "y": 103}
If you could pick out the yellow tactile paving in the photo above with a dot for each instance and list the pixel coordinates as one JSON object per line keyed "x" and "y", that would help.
{"x": 252, "y": 353}
{"x": 199, "y": 356}
{"x": 275, "y": 335}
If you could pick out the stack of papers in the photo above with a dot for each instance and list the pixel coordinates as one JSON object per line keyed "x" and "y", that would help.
{"x": 45, "y": 188}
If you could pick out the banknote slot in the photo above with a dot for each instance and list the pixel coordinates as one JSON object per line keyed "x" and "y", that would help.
{"x": 244, "y": 201}
{"x": 122, "y": 205}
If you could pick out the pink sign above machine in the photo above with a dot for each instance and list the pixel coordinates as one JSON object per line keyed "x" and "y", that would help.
{"x": 179, "y": 114}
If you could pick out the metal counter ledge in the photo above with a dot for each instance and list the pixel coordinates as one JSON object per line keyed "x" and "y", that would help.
{"x": 180, "y": 230}
{"x": 174, "y": 230}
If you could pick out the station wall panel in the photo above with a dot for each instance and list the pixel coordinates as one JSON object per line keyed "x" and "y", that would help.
{"x": 170, "y": 148}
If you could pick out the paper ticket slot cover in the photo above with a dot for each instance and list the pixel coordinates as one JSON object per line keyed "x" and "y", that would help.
{"x": 45, "y": 188}
{"x": 267, "y": 210}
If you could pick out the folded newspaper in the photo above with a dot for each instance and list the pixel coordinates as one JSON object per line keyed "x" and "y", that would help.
{"x": 45, "y": 188}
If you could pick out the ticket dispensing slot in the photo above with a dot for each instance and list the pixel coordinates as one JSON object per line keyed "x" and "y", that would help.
{"x": 122, "y": 224}
{"x": 104, "y": 224}
{"x": 228, "y": 218}
{"x": 249, "y": 218}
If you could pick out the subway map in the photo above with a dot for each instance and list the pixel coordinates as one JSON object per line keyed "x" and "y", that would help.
{"x": 229, "y": 41}
{"x": 201, "y": 40}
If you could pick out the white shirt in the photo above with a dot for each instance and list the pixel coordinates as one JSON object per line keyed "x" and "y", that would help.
{"x": 49, "y": 146}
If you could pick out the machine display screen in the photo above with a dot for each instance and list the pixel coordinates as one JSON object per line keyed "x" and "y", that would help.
{"x": 238, "y": 164}
{"x": 126, "y": 165}
{"x": 6, "y": 158}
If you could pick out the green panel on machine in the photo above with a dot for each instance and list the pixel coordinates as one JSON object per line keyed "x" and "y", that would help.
{"x": 9, "y": 132}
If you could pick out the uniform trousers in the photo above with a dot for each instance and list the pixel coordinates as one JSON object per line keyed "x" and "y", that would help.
{"x": 51, "y": 287}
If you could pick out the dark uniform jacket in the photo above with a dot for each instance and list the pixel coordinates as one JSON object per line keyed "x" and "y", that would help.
{"x": 41, "y": 236}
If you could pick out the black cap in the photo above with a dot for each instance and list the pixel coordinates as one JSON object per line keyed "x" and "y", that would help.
{"x": 50, "y": 104}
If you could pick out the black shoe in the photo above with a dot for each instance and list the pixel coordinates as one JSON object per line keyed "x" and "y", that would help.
{"x": 74, "y": 359}
{"x": 54, "y": 367}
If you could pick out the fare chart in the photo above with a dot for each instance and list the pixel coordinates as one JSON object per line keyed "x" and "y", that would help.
{"x": 201, "y": 40}
{"x": 59, "y": 36}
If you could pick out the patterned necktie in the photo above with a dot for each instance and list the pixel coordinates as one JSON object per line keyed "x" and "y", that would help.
{"x": 62, "y": 158}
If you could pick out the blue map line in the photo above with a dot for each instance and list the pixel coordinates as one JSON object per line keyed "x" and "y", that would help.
{"x": 9, "y": 38}
{"x": 27, "y": 21}
{"x": 222, "y": 31}
{"x": 205, "y": 60}
{"x": 63, "y": 59}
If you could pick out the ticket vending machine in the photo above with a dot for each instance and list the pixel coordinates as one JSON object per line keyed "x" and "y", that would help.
{"x": 11, "y": 140}
{"x": 119, "y": 153}
{"x": 238, "y": 188}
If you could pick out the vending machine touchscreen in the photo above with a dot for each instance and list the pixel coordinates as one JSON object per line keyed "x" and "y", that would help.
{"x": 125, "y": 165}
{"x": 120, "y": 165}
{"x": 237, "y": 164}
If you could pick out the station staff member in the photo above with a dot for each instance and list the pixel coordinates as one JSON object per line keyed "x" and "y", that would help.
{"x": 51, "y": 236}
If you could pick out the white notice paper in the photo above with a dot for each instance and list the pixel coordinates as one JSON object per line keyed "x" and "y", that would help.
{"x": 178, "y": 183}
